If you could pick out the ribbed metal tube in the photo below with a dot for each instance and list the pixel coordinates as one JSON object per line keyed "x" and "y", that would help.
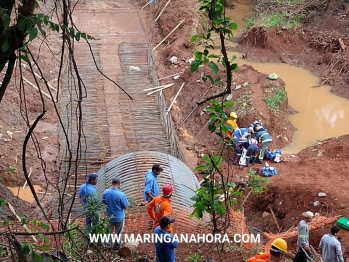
{"x": 131, "y": 168}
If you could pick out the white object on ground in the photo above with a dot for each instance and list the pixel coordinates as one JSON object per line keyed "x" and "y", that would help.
{"x": 174, "y": 59}
{"x": 135, "y": 68}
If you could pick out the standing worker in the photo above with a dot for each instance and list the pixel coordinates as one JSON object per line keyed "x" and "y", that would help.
{"x": 303, "y": 234}
{"x": 232, "y": 122}
{"x": 151, "y": 187}
{"x": 165, "y": 244}
{"x": 116, "y": 202}
{"x": 262, "y": 136}
{"x": 161, "y": 206}
{"x": 330, "y": 248}
{"x": 86, "y": 192}
{"x": 276, "y": 253}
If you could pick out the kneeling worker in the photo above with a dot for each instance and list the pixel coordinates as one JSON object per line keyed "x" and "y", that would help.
{"x": 276, "y": 253}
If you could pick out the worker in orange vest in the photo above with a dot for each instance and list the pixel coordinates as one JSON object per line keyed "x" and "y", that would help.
{"x": 276, "y": 253}
{"x": 161, "y": 206}
{"x": 232, "y": 122}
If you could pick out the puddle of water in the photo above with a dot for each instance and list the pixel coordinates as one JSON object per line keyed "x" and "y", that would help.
{"x": 238, "y": 15}
{"x": 321, "y": 114}
{"x": 24, "y": 194}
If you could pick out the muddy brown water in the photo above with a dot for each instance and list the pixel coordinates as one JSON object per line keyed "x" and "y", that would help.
{"x": 25, "y": 193}
{"x": 320, "y": 114}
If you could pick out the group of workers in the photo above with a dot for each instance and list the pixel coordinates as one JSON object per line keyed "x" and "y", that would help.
{"x": 115, "y": 200}
{"x": 329, "y": 246}
{"x": 250, "y": 139}
{"x": 158, "y": 207}
{"x": 160, "y": 213}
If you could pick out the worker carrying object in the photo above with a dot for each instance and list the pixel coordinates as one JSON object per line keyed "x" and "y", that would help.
{"x": 232, "y": 122}
{"x": 161, "y": 206}
{"x": 276, "y": 253}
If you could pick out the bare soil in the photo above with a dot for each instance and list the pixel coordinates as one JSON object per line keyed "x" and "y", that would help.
{"x": 319, "y": 168}
{"x": 322, "y": 167}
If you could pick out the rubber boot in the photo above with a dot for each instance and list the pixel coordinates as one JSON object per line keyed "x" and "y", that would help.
{"x": 247, "y": 161}
{"x": 254, "y": 158}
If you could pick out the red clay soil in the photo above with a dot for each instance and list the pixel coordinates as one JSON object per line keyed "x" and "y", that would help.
{"x": 322, "y": 167}
{"x": 319, "y": 168}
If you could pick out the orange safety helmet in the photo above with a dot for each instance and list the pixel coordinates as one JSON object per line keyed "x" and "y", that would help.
{"x": 167, "y": 190}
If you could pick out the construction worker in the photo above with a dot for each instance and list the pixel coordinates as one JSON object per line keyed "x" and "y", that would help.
{"x": 254, "y": 125}
{"x": 87, "y": 191}
{"x": 330, "y": 248}
{"x": 116, "y": 202}
{"x": 161, "y": 206}
{"x": 252, "y": 151}
{"x": 232, "y": 122}
{"x": 151, "y": 187}
{"x": 303, "y": 234}
{"x": 239, "y": 132}
{"x": 165, "y": 243}
{"x": 262, "y": 136}
{"x": 275, "y": 254}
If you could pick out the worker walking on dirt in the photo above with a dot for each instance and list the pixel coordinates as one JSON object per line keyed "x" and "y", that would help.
{"x": 330, "y": 248}
{"x": 262, "y": 136}
{"x": 161, "y": 206}
{"x": 276, "y": 253}
{"x": 88, "y": 192}
{"x": 116, "y": 202}
{"x": 252, "y": 151}
{"x": 303, "y": 234}
{"x": 151, "y": 187}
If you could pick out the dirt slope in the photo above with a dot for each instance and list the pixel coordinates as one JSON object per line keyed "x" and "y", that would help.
{"x": 320, "y": 168}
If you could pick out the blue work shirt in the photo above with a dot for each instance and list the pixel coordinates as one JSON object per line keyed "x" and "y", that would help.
{"x": 263, "y": 136}
{"x": 239, "y": 132}
{"x": 116, "y": 202}
{"x": 85, "y": 191}
{"x": 151, "y": 185}
{"x": 164, "y": 249}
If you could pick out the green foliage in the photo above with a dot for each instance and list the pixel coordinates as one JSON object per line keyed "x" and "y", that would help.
{"x": 275, "y": 99}
{"x": 250, "y": 21}
{"x": 75, "y": 241}
{"x": 280, "y": 17}
{"x": 32, "y": 25}
{"x": 12, "y": 168}
{"x": 94, "y": 208}
{"x": 218, "y": 117}
{"x": 208, "y": 197}
{"x": 256, "y": 182}
{"x": 219, "y": 25}
{"x": 193, "y": 258}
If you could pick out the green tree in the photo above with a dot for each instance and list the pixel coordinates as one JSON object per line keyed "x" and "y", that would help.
{"x": 222, "y": 26}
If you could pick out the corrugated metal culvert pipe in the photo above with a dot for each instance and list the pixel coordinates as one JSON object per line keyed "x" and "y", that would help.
{"x": 131, "y": 168}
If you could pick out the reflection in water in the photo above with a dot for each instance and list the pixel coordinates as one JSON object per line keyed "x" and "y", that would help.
{"x": 321, "y": 115}
{"x": 25, "y": 193}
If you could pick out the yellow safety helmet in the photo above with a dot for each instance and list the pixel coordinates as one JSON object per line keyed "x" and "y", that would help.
{"x": 280, "y": 244}
{"x": 233, "y": 115}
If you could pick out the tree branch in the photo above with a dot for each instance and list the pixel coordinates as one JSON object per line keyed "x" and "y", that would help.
{"x": 42, "y": 233}
{"x": 8, "y": 75}
{"x": 212, "y": 97}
